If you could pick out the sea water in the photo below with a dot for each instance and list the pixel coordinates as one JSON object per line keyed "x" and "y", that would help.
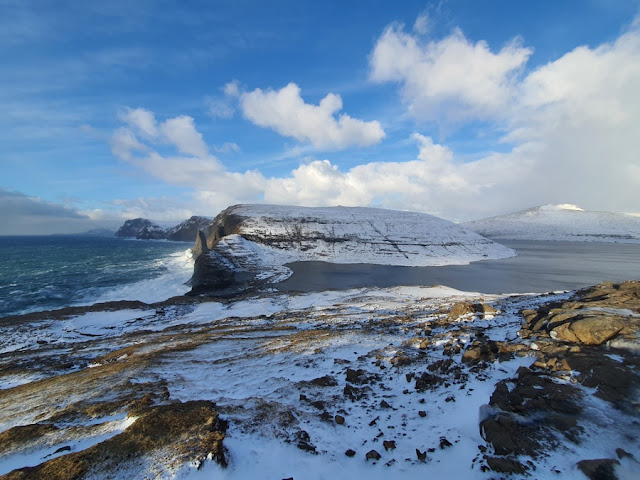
{"x": 48, "y": 272}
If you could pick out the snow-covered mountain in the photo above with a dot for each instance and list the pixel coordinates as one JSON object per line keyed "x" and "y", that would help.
{"x": 258, "y": 240}
{"x": 144, "y": 229}
{"x": 564, "y": 222}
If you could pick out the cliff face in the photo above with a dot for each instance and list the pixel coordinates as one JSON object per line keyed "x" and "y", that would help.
{"x": 188, "y": 230}
{"x": 258, "y": 240}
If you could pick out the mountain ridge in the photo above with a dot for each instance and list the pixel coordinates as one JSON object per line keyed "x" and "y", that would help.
{"x": 564, "y": 222}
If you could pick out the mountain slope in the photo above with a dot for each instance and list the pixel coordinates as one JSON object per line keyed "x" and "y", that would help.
{"x": 560, "y": 222}
{"x": 256, "y": 241}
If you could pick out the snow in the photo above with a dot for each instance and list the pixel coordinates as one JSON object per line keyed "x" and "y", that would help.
{"x": 271, "y": 236}
{"x": 46, "y": 448}
{"x": 564, "y": 222}
{"x": 262, "y": 352}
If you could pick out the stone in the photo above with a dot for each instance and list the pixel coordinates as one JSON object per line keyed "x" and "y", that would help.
{"x": 596, "y": 330}
{"x": 389, "y": 444}
{"x": 326, "y": 381}
{"x": 505, "y": 465}
{"x": 304, "y": 441}
{"x": 599, "y": 469}
{"x": 444, "y": 443}
{"x": 422, "y": 413}
{"x": 339, "y": 419}
{"x": 422, "y": 456}
{"x": 460, "y": 309}
{"x": 350, "y": 453}
{"x": 373, "y": 455}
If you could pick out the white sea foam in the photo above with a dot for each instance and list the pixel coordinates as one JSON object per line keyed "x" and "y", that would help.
{"x": 179, "y": 268}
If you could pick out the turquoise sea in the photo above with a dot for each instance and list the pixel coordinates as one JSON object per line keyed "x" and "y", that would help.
{"x": 47, "y": 272}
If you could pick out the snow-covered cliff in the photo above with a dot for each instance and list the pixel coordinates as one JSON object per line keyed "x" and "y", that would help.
{"x": 564, "y": 222}
{"x": 258, "y": 240}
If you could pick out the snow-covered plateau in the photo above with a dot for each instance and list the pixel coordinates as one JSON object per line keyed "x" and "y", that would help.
{"x": 405, "y": 382}
{"x": 564, "y": 222}
{"x": 258, "y": 240}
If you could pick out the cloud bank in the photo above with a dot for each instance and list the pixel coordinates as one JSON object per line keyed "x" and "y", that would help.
{"x": 21, "y": 214}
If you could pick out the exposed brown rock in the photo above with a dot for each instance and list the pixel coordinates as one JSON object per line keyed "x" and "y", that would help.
{"x": 191, "y": 431}
{"x": 593, "y": 316}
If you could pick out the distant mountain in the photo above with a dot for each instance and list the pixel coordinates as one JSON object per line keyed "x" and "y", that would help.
{"x": 144, "y": 229}
{"x": 252, "y": 243}
{"x": 99, "y": 231}
{"x": 564, "y": 222}
{"x": 187, "y": 231}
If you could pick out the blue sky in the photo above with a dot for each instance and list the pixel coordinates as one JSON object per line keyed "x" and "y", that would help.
{"x": 461, "y": 109}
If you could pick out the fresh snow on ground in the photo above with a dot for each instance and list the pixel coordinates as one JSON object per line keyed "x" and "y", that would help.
{"x": 564, "y": 222}
{"x": 257, "y": 358}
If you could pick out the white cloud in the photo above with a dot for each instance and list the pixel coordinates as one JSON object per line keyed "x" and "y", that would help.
{"x": 181, "y": 132}
{"x": 142, "y": 120}
{"x": 124, "y": 143}
{"x": 232, "y": 89}
{"x": 422, "y": 24}
{"x": 220, "y": 108}
{"x": 287, "y": 113}
{"x": 227, "y": 147}
{"x": 451, "y": 79}
{"x": 573, "y": 124}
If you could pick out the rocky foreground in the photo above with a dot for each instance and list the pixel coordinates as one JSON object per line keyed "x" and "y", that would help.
{"x": 412, "y": 382}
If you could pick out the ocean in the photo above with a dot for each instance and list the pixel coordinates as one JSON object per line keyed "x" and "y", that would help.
{"x": 48, "y": 272}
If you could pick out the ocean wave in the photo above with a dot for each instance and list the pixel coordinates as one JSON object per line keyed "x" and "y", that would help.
{"x": 177, "y": 269}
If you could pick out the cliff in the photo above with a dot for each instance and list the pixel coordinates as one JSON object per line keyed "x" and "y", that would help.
{"x": 256, "y": 241}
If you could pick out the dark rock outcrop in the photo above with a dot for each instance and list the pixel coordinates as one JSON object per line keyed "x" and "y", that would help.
{"x": 132, "y": 228}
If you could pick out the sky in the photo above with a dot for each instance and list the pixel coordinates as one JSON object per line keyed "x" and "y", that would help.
{"x": 165, "y": 109}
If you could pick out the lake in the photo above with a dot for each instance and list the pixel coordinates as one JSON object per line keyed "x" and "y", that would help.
{"x": 540, "y": 266}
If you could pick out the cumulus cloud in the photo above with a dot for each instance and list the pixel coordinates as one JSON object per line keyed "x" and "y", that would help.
{"x": 141, "y": 120}
{"x": 181, "y": 132}
{"x": 450, "y": 79}
{"x": 287, "y": 113}
{"x": 571, "y": 126}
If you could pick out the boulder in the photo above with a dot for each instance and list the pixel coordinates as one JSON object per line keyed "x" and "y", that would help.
{"x": 599, "y": 469}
